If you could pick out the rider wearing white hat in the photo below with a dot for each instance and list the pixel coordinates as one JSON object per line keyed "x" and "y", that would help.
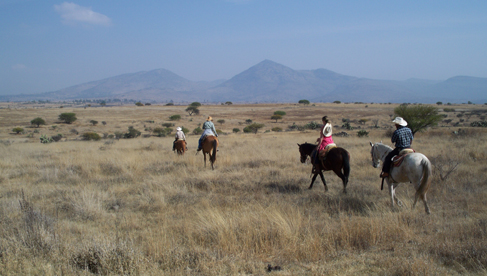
{"x": 402, "y": 137}
{"x": 179, "y": 136}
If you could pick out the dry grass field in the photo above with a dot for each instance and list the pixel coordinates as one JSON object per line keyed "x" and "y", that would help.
{"x": 132, "y": 206}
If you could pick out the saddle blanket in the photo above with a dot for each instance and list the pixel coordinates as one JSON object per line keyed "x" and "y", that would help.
{"x": 397, "y": 160}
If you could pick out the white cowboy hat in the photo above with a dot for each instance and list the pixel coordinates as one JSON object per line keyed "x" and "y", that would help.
{"x": 400, "y": 121}
{"x": 178, "y": 128}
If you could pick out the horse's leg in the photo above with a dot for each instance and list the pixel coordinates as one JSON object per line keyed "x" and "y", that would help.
{"x": 423, "y": 197}
{"x": 339, "y": 173}
{"x": 323, "y": 180}
{"x": 204, "y": 155}
{"x": 391, "y": 192}
{"x": 313, "y": 181}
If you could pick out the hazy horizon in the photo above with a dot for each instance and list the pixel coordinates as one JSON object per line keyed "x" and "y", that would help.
{"x": 50, "y": 45}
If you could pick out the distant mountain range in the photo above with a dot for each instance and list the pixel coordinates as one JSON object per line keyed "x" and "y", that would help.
{"x": 269, "y": 82}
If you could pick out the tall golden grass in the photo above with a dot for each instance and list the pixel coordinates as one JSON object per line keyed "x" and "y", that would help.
{"x": 132, "y": 206}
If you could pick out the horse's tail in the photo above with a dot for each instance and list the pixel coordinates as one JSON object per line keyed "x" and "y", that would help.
{"x": 426, "y": 179}
{"x": 346, "y": 164}
{"x": 213, "y": 155}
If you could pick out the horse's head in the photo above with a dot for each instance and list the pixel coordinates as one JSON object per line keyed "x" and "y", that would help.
{"x": 374, "y": 153}
{"x": 303, "y": 153}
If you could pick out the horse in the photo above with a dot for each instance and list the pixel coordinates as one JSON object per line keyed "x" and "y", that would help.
{"x": 337, "y": 160}
{"x": 415, "y": 168}
{"x": 210, "y": 147}
{"x": 180, "y": 146}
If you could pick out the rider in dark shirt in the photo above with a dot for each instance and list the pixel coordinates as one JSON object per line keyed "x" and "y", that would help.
{"x": 402, "y": 137}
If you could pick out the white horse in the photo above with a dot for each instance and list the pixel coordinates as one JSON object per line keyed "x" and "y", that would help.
{"x": 415, "y": 168}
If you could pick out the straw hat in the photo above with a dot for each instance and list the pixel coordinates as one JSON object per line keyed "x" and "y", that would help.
{"x": 209, "y": 118}
{"x": 178, "y": 128}
{"x": 400, "y": 121}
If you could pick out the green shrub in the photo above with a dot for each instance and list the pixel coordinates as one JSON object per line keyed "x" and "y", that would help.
{"x": 57, "y": 138}
{"x": 132, "y": 133}
{"x": 18, "y": 130}
{"x": 68, "y": 118}
{"x": 87, "y": 136}
{"x": 235, "y": 130}
{"x": 197, "y": 131}
{"x": 277, "y": 129}
{"x": 312, "y": 125}
{"x": 362, "y": 133}
{"x": 175, "y": 118}
{"x": 478, "y": 124}
{"x": 282, "y": 113}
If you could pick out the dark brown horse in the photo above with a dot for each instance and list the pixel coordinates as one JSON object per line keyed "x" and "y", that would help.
{"x": 337, "y": 160}
{"x": 210, "y": 147}
{"x": 180, "y": 146}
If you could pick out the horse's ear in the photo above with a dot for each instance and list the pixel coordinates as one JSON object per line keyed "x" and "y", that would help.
{"x": 381, "y": 141}
{"x": 298, "y": 145}
{"x": 371, "y": 144}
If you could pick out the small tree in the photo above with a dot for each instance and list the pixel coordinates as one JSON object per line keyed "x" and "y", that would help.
{"x": 419, "y": 117}
{"x": 248, "y": 121}
{"x": 68, "y": 118}
{"x": 93, "y": 122}
{"x": 38, "y": 121}
{"x": 221, "y": 121}
{"x": 103, "y": 103}
{"x": 276, "y": 129}
{"x": 139, "y": 104}
{"x": 17, "y": 130}
{"x": 192, "y": 110}
{"x": 228, "y": 103}
{"x": 282, "y": 113}
{"x": 167, "y": 124}
{"x": 337, "y": 102}
{"x": 276, "y": 117}
{"x": 235, "y": 130}
{"x": 132, "y": 133}
{"x": 175, "y": 118}
{"x": 195, "y": 104}
{"x": 254, "y": 127}
{"x": 304, "y": 102}
{"x": 439, "y": 103}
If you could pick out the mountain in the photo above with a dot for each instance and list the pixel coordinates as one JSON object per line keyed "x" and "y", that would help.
{"x": 269, "y": 81}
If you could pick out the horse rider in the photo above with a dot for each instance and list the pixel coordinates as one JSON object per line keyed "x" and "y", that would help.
{"x": 179, "y": 136}
{"x": 208, "y": 130}
{"x": 325, "y": 138}
{"x": 402, "y": 137}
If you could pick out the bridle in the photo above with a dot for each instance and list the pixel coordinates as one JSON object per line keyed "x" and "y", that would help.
{"x": 374, "y": 163}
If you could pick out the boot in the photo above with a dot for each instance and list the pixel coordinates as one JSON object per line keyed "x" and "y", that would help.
{"x": 384, "y": 174}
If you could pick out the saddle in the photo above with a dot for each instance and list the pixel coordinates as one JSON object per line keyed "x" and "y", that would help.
{"x": 397, "y": 159}
{"x": 324, "y": 152}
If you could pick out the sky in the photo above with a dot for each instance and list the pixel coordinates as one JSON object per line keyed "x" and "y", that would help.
{"x": 49, "y": 45}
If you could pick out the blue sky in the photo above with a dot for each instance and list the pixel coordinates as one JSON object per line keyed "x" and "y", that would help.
{"x": 48, "y": 45}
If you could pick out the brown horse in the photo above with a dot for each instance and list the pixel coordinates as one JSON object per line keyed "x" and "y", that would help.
{"x": 180, "y": 146}
{"x": 337, "y": 160}
{"x": 210, "y": 147}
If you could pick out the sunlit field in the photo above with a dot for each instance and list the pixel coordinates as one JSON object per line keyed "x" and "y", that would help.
{"x": 132, "y": 206}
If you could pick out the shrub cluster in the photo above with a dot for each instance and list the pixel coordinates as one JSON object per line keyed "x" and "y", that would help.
{"x": 478, "y": 124}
